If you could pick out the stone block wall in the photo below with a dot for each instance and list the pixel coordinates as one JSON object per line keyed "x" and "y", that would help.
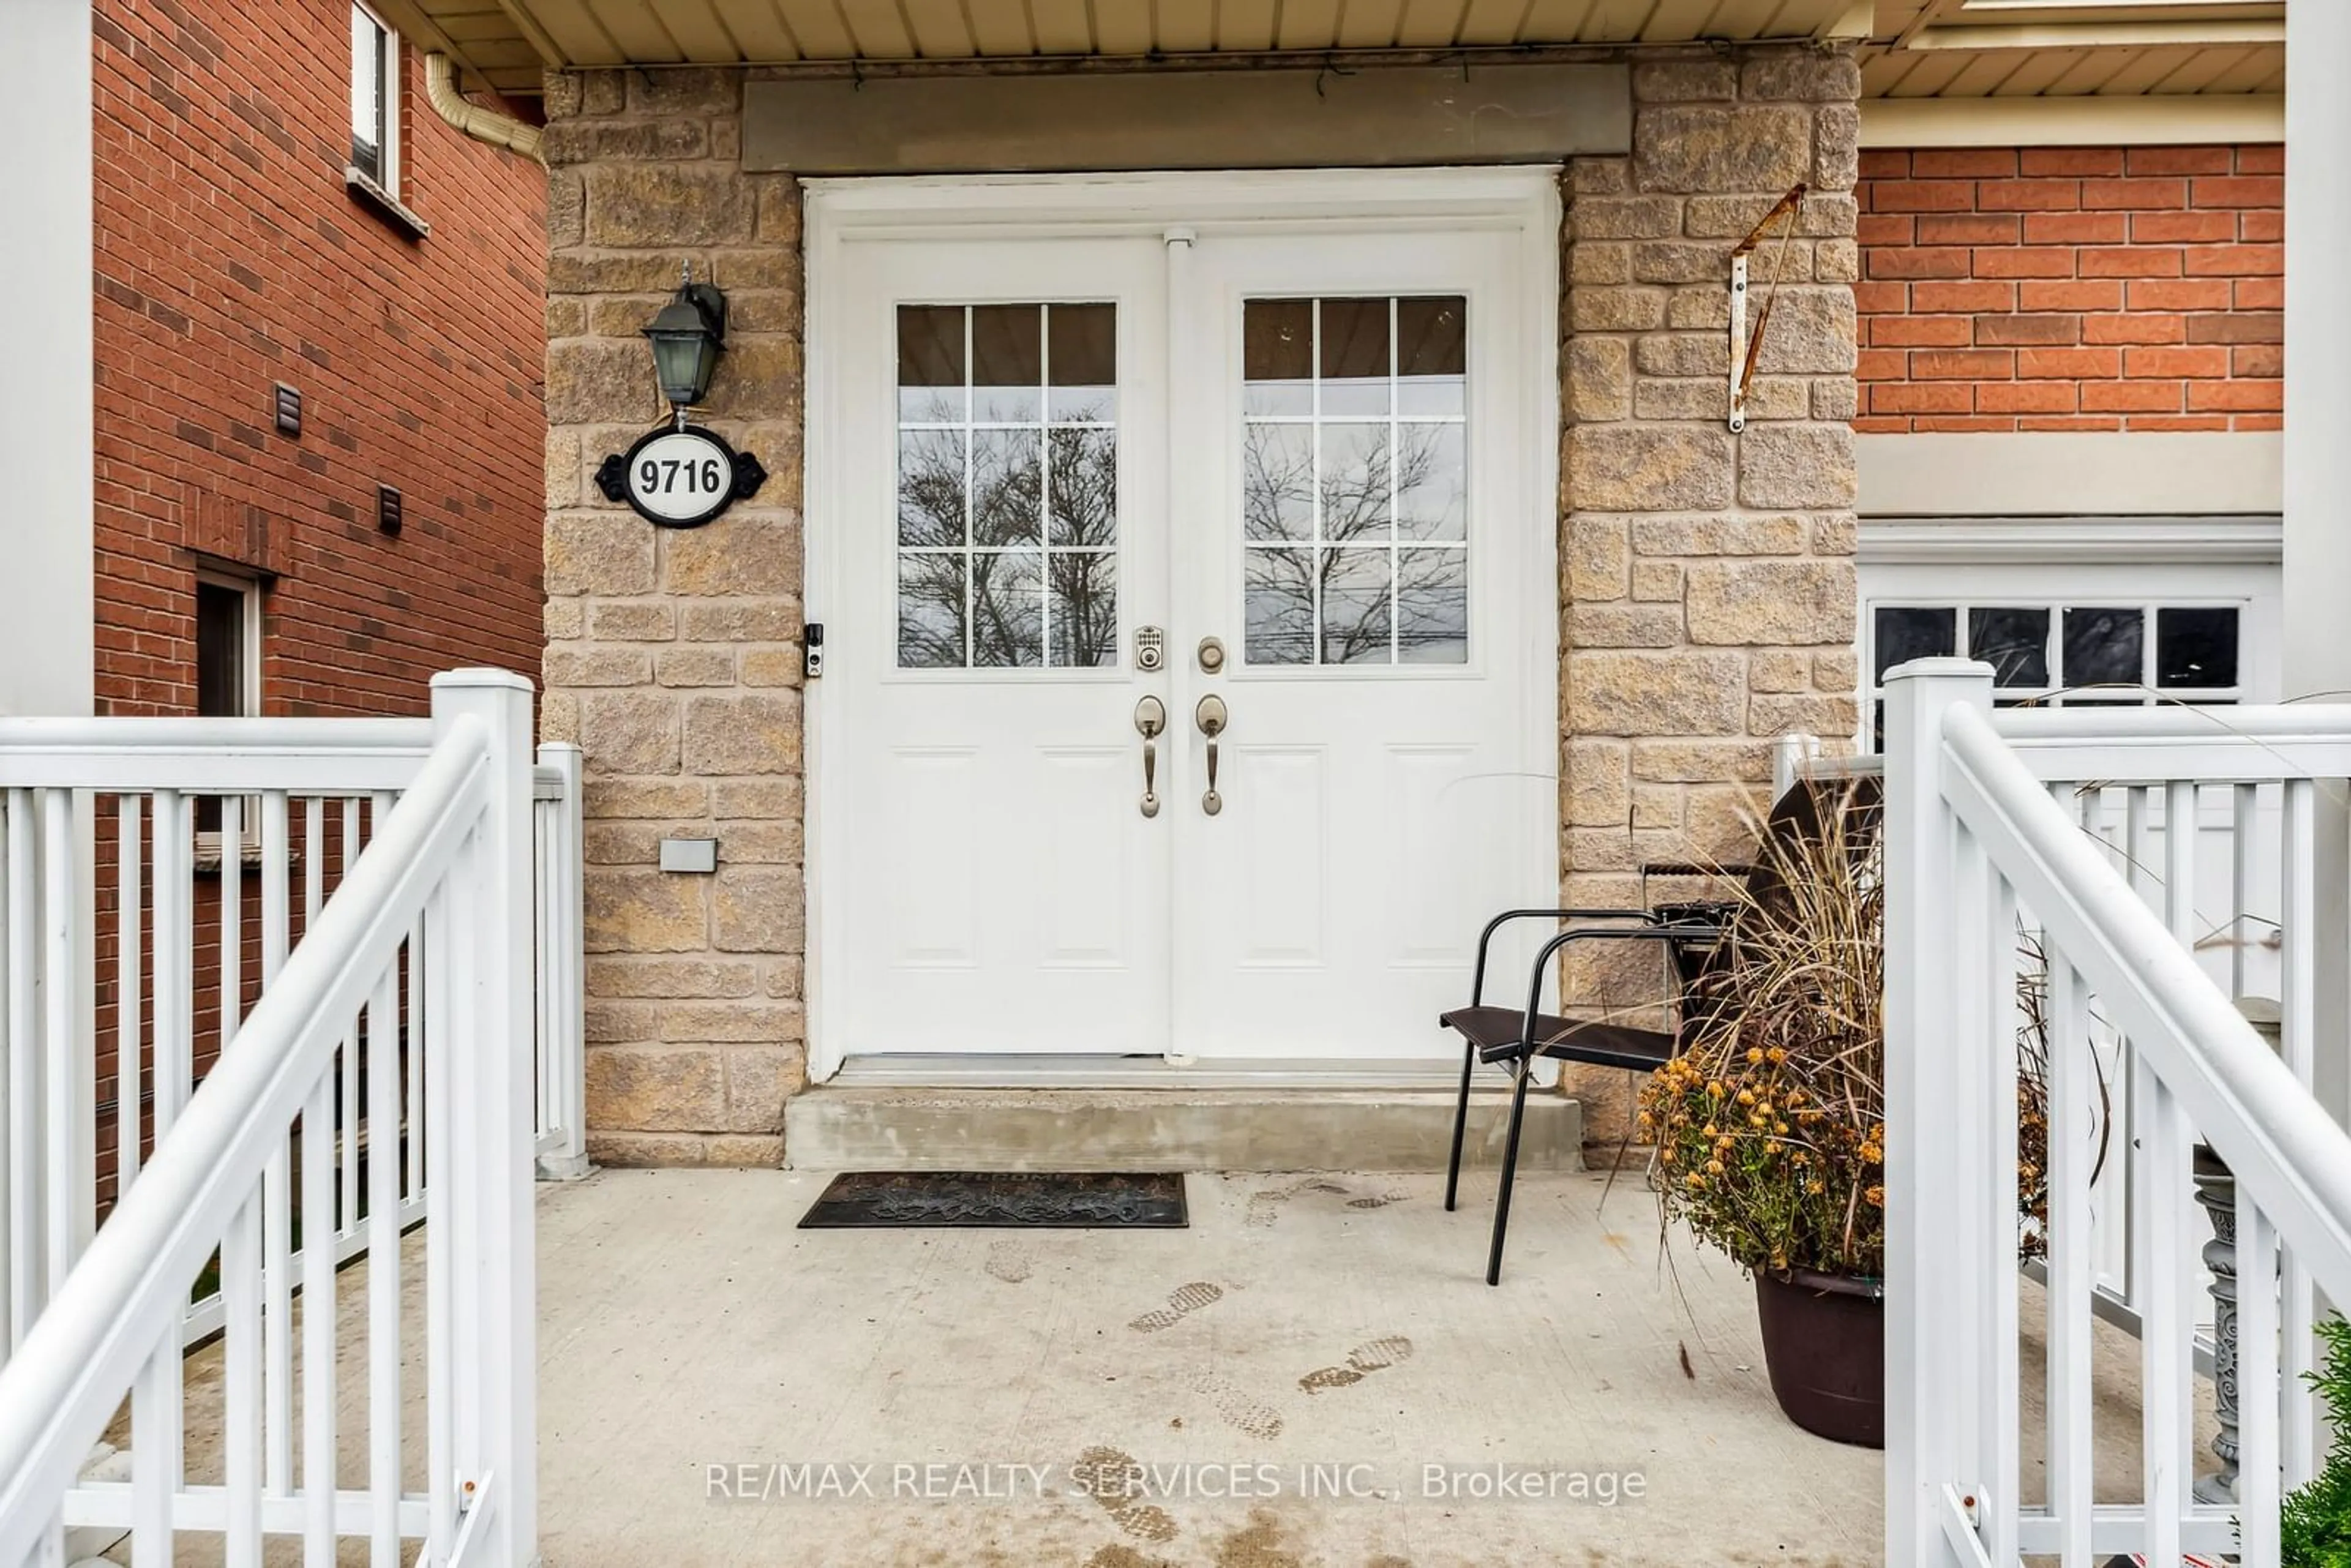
{"x": 673, "y": 656}
{"x": 1707, "y": 591}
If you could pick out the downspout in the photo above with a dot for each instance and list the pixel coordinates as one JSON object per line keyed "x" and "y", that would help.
{"x": 481, "y": 124}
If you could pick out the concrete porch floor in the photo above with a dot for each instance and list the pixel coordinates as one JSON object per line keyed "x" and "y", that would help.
{"x": 1300, "y": 1322}
{"x": 1318, "y": 1333}
{"x": 1306, "y": 1325}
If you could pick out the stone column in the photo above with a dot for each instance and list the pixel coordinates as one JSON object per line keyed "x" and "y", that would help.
{"x": 1708, "y": 584}
{"x": 673, "y": 656}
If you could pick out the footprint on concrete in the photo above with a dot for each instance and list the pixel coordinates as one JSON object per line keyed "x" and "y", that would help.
{"x": 1380, "y": 1200}
{"x": 1122, "y": 1556}
{"x": 1372, "y": 1355}
{"x": 1009, "y": 1261}
{"x": 1325, "y": 1378}
{"x": 1236, "y": 1407}
{"x": 1259, "y": 1545}
{"x": 1111, "y": 1479}
{"x": 1265, "y": 1207}
{"x": 1183, "y": 1301}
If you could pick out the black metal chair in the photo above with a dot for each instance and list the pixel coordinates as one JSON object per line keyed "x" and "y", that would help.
{"x": 1696, "y": 937}
{"x": 1691, "y": 933}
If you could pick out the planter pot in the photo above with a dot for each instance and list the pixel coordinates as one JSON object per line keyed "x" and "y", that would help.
{"x": 1824, "y": 1346}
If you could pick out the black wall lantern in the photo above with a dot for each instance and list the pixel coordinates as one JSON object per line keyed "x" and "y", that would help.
{"x": 688, "y": 335}
{"x": 680, "y": 475}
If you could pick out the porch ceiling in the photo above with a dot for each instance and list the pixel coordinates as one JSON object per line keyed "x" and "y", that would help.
{"x": 2066, "y": 49}
{"x": 1951, "y": 48}
{"x": 508, "y": 41}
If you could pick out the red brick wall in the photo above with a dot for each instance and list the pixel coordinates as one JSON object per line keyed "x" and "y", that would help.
{"x": 231, "y": 256}
{"x": 2072, "y": 288}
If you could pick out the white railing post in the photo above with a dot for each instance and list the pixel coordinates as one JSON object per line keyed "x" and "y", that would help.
{"x": 563, "y": 980}
{"x": 2316, "y": 468}
{"x": 487, "y": 1060}
{"x": 1931, "y": 1286}
{"x": 1789, "y": 754}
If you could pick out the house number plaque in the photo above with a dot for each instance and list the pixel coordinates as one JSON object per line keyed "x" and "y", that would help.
{"x": 680, "y": 476}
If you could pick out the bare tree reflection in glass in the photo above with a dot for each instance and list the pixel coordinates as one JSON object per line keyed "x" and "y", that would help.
{"x": 933, "y": 610}
{"x": 981, "y": 603}
{"x": 1372, "y": 604}
{"x": 1007, "y": 615}
{"x": 1432, "y": 612}
{"x": 1083, "y": 465}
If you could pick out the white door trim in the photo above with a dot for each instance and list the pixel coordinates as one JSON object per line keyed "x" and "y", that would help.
{"x": 1259, "y": 200}
{"x": 1522, "y": 200}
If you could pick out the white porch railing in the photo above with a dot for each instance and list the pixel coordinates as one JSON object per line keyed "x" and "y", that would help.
{"x": 382, "y": 1062}
{"x": 559, "y": 925}
{"x": 1978, "y": 840}
{"x": 85, "y": 968}
{"x": 2127, "y": 775}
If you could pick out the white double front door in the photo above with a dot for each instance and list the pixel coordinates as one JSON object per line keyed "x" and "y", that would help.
{"x": 1189, "y": 596}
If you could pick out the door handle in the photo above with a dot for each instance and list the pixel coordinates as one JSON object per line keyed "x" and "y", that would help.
{"x": 1210, "y": 715}
{"x": 1149, "y": 718}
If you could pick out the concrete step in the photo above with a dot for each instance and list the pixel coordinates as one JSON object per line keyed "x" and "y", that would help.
{"x": 832, "y": 1127}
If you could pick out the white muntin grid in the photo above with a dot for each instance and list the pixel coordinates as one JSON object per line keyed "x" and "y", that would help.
{"x": 968, "y": 430}
{"x": 1388, "y": 538}
{"x": 2063, "y": 687}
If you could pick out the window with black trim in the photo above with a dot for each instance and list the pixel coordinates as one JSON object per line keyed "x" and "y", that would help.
{"x": 2096, "y": 651}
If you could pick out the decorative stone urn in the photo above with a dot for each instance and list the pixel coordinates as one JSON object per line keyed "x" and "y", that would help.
{"x": 2216, "y": 1191}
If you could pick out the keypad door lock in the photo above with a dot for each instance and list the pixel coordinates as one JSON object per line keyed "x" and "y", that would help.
{"x": 1150, "y": 648}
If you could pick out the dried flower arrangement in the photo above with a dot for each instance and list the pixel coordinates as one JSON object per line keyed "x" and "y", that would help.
{"x": 1771, "y": 1127}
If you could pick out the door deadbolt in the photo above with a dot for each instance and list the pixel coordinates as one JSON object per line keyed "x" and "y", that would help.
{"x": 1211, "y": 656}
{"x": 1150, "y": 648}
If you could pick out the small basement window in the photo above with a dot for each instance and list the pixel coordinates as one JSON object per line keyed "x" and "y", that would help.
{"x": 228, "y": 673}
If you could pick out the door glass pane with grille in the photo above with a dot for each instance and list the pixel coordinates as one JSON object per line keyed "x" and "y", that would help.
{"x": 1354, "y": 484}
{"x": 1007, "y": 485}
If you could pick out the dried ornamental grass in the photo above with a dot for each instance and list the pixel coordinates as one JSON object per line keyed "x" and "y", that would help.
{"x": 1771, "y": 1127}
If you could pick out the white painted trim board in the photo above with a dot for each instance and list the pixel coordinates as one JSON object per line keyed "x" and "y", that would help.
{"x": 2032, "y": 474}
{"x": 2160, "y": 119}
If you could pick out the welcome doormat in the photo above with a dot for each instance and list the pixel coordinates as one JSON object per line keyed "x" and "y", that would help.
{"x": 1002, "y": 1199}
